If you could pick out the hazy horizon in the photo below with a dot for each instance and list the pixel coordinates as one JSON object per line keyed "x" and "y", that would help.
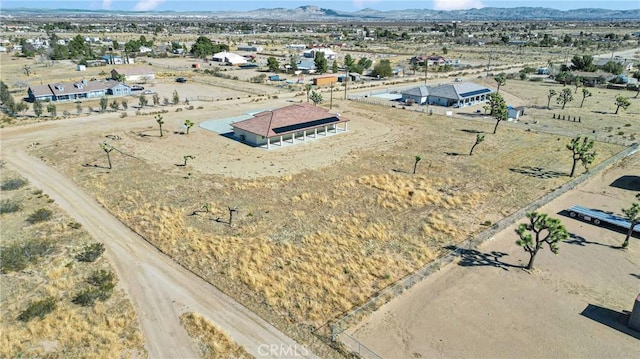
{"x": 353, "y": 5}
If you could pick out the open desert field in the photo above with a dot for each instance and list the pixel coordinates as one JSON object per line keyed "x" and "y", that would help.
{"x": 351, "y": 197}
{"x": 41, "y": 263}
{"x": 486, "y": 306}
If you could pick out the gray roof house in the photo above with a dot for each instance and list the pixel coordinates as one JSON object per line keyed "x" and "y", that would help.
{"x": 457, "y": 95}
{"x": 65, "y": 91}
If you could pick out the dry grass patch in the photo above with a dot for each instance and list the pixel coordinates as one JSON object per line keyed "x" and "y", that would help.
{"x": 106, "y": 330}
{"x": 211, "y": 340}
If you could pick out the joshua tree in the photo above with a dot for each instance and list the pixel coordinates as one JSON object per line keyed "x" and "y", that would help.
{"x": 316, "y": 97}
{"x": 176, "y": 97}
{"x": 142, "y": 100}
{"x": 188, "y": 124}
{"x": 552, "y": 93}
{"x": 114, "y": 105}
{"x": 186, "y": 158}
{"x": 500, "y": 80}
{"x": 623, "y": 102}
{"x": 107, "y": 148}
{"x": 37, "y": 108}
{"x": 498, "y": 109}
{"x": 27, "y": 70}
{"x": 633, "y": 215}
{"x": 415, "y": 164}
{"x": 103, "y": 104}
{"x": 160, "y": 121}
{"x": 585, "y": 93}
{"x": 577, "y": 82}
{"x": 51, "y": 109}
{"x": 479, "y": 139}
{"x": 582, "y": 149}
{"x": 125, "y": 104}
{"x": 308, "y": 88}
{"x": 546, "y": 230}
{"x": 231, "y": 212}
{"x": 564, "y": 97}
{"x": 156, "y": 99}
{"x": 79, "y": 108}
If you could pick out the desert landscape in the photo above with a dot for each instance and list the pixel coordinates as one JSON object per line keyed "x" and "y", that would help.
{"x": 216, "y": 248}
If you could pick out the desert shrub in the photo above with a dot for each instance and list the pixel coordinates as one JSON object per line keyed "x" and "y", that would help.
{"x": 18, "y": 256}
{"x": 13, "y": 184}
{"x": 536, "y": 79}
{"x": 38, "y": 309}
{"x": 103, "y": 283}
{"x": 8, "y": 206}
{"x": 91, "y": 252}
{"x": 40, "y": 215}
{"x": 123, "y": 115}
{"x": 75, "y": 225}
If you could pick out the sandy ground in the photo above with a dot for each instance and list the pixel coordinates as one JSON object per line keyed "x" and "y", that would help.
{"x": 487, "y": 306}
{"x": 160, "y": 289}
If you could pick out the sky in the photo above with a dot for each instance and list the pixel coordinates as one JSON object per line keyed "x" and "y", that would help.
{"x": 344, "y": 5}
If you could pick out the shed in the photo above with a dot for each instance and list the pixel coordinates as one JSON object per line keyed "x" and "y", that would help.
{"x": 515, "y": 112}
{"x": 325, "y": 80}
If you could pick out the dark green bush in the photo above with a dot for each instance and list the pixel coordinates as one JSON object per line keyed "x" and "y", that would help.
{"x": 38, "y": 309}
{"x": 91, "y": 252}
{"x": 40, "y": 215}
{"x": 8, "y": 206}
{"x": 103, "y": 283}
{"x": 13, "y": 184}
{"x": 18, "y": 256}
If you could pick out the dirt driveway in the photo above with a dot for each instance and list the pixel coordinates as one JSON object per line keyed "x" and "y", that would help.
{"x": 487, "y": 306}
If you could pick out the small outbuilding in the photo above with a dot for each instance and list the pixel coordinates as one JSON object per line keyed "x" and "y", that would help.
{"x": 515, "y": 112}
{"x": 134, "y": 74}
{"x": 291, "y": 124}
{"x": 229, "y": 58}
{"x": 416, "y": 95}
{"x": 325, "y": 80}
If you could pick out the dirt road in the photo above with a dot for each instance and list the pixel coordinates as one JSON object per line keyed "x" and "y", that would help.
{"x": 159, "y": 288}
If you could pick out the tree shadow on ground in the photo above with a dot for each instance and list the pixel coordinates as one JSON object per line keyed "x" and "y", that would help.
{"x": 471, "y": 131}
{"x": 474, "y": 258}
{"x": 453, "y": 154}
{"x": 88, "y": 165}
{"x": 611, "y": 318}
{"x": 628, "y": 182}
{"x": 581, "y": 241}
{"x": 396, "y": 170}
{"x": 635, "y": 275}
{"x": 537, "y": 172}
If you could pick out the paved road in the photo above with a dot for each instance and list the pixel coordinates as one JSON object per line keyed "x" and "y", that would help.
{"x": 159, "y": 288}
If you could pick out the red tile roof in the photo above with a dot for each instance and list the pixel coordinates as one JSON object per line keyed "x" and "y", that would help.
{"x": 288, "y": 119}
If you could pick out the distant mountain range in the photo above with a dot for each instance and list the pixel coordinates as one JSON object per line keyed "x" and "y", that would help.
{"x": 315, "y": 13}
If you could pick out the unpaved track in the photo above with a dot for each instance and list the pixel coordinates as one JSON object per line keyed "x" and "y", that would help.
{"x": 159, "y": 288}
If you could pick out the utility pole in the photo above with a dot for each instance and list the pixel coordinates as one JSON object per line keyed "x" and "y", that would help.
{"x": 489, "y": 64}
{"x": 426, "y": 69}
{"x": 331, "y": 96}
{"x": 346, "y": 82}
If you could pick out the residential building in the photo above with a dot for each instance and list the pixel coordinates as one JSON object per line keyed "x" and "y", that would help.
{"x": 229, "y": 58}
{"x": 66, "y": 91}
{"x": 134, "y": 74}
{"x": 250, "y": 48}
{"x": 456, "y": 95}
{"x": 328, "y": 53}
{"x": 291, "y": 124}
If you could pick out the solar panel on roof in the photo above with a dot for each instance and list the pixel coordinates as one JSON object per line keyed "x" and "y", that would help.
{"x": 474, "y": 93}
{"x": 300, "y": 126}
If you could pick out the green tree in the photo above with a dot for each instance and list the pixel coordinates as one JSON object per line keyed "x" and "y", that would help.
{"x": 583, "y": 63}
{"x": 203, "y": 47}
{"x": 613, "y": 67}
{"x": 498, "y": 109}
{"x": 175, "y": 98}
{"x": 37, "y": 108}
{"x": 364, "y": 63}
{"x": 308, "y": 88}
{"x": 540, "y": 229}
{"x": 582, "y": 150}
{"x": 564, "y": 97}
{"x": 103, "y": 104}
{"x": 633, "y": 215}
{"x": 577, "y": 82}
{"x": 156, "y": 99}
{"x": 623, "y": 102}
{"x": 125, "y": 104}
{"x": 414, "y": 67}
{"x": 334, "y": 67}
{"x": 114, "y": 105}
{"x": 21, "y": 107}
{"x": 585, "y": 93}
{"x": 316, "y": 97}
{"x": 383, "y": 69}
{"x": 479, "y": 140}
{"x": 321, "y": 62}
{"x": 418, "y": 158}
{"x": 188, "y": 124}
{"x": 273, "y": 64}
{"x": 293, "y": 63}
{"x": 348, "y": 61}
{"x": 160, "y": 122}
{"x": 107, "y": 148}
{"x": 563, "y": 77}
{"x": 500, "y": 80}
{"x": 551, "y": 94}
{"x": 51, "y": 109}
{"x": 79, "y": 49}
{"x": 636, "y": 75}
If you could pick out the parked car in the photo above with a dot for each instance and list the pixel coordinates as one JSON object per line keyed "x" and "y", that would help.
{"x": 148, "y": 92}
{"x": 137, "y": 88}
{"x": 181, "y": 80}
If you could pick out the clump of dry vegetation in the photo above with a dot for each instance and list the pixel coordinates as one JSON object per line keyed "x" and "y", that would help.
{"x": 40, "y": 278}
{"x": 211, "y": 340}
